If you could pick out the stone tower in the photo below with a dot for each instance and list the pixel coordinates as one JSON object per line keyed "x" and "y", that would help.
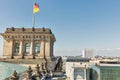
{"x": 28, "y": 43}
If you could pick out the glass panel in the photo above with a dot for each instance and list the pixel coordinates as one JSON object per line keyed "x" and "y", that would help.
{"x": 110, "y": 73}
{"x": 17, "y": 47}
{"x": 37, "y": 48}
{"x": 27, "y": 48}
{"x": 79, "y": 74}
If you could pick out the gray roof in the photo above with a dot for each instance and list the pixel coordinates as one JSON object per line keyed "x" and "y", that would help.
{"x": 77, "y": 59}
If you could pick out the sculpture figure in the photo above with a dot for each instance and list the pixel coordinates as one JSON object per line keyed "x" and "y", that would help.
{"x": 37, "y": 72}
{"x": 29, "y": 73}
{"x": 14, "y": 76}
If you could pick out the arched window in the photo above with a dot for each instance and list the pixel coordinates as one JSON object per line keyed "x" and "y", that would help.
{"x": 37, "y": 48}
{"x": 17, "y": 47}
{"x": 27, "y": 48}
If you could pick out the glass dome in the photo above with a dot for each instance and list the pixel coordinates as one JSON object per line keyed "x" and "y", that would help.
{"x": 6, "y": 69}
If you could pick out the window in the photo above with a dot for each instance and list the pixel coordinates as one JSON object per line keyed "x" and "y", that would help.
{"x": 27, "y": 48}
{"x": 17, "y": 46}
{"x": 36, "y": 36}
{"x": 37, "y": 48}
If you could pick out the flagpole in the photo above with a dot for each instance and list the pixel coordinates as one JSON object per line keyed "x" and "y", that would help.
{"x": 33, "y": 22}
{"x": 33, "y": 18}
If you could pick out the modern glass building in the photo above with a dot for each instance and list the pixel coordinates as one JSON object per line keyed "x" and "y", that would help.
{"x": 106, "y": 71}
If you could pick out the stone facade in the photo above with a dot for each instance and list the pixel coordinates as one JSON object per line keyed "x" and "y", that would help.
{"x": 77, "y": 68}
{"x": 28, "y": 43}
{"x": 77, "y": 71}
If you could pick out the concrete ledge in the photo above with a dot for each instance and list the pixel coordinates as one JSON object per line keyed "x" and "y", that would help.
{"x": 18, "y": 57}
{"x": 7, "y": 57}
{"x": 58, "y": 73}
{"x": 29, "y": 57}
{"x": 37, "y": 57}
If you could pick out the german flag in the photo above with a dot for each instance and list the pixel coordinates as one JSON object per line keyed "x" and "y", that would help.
{"x": 36, "y": 8}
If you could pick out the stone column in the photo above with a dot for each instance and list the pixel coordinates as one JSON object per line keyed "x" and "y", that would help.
{"x": 12, "y": 50}
{"x": 8, "y": 48}
{"x": 52, "y": 48}
{"x": 85, "y": 74}
{"x": 42, "y": 49}
{"x": 47, "y": 49}
{"x": 21, "y": 49}
{"x": 72, "y": 74}
{"x": 31, "y": 48}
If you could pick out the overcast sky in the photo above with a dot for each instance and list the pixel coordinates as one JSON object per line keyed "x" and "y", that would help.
{"x": 77, "y": 24}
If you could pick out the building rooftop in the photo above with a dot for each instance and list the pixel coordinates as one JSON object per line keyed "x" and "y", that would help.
{"x": 28, "y": 34}
{"x": 28, "y": 30}
{"x": 77, "y": 59}
{"x": 109, "y": 62}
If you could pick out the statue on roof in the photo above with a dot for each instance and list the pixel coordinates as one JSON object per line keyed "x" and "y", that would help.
{"x": 14, "y": 76}
{"x": 29, "y": 73}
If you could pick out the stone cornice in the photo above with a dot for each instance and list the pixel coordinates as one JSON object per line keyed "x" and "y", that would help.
{"x": 29, "y": 30}
{"x": 28, "y": 34}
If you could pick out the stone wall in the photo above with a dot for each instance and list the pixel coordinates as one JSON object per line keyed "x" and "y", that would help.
{"x": 22, "y": 36}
